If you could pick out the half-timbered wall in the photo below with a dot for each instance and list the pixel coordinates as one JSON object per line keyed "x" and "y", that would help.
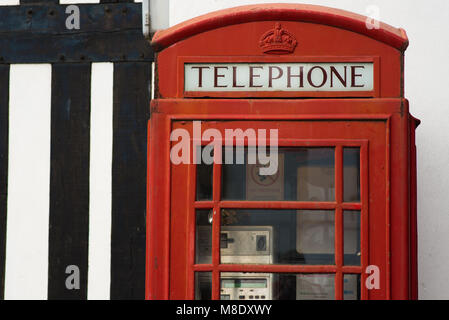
{"x": 74, "y": 106}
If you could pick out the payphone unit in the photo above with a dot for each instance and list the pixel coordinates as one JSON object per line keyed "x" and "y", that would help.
{"x": 238, "y": 244}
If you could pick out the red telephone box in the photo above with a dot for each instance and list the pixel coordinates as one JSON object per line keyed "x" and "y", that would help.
{"x": 332, "y": 215}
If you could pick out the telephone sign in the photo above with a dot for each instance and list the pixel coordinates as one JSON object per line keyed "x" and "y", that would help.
{"x": 279, "y": 77}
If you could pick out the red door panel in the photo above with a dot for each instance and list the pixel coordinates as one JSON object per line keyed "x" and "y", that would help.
{"x": 369, "y": 137}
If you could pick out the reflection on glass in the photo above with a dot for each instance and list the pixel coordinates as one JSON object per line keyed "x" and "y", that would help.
{"x": 204, "y": 178}
{"x": 351, "y": 287}
{"x": 315, "y": 287}
{"x": 303, "y": 174}
{"x": 351, "y": 233}
{"x": 233, "y": 174}
{"x": 203, "y": 237}
{"x": 316, "y": 232}
{"x": 351, "y": 174}
{"x": 315, "y": 174}
{"x": 203, "y": 285}
{"x": 277, "y": 237}
{"x": 276, "y": 286}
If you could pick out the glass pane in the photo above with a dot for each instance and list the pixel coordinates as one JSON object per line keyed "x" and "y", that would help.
{"x": 315, "y": 174}
{"x": 203, "y": 285}
{"x": 303, "y": 174}
{"x": 246, "y": 286}
{"x": 233, "y": 175}
{"x": 351, "y": 174}
{"x": 204, "y": 177}
{"x": 351, "y": 233}
{"x": 351, "y": 287}
{"x": 277, "y": 237}
{"x": 276, "y": 286}
{"x": 203, "y": 237}
{"x": 315, "y": 287}
{"x": 316, "y": 234}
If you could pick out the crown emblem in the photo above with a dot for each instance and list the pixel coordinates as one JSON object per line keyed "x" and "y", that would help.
{"x": 278, "y": 41}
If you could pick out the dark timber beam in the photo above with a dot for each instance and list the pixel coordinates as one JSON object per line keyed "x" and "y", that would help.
{"x": 38, "y": 34}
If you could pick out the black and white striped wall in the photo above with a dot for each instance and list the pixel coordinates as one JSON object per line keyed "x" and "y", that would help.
{"x": 74, "y": 107}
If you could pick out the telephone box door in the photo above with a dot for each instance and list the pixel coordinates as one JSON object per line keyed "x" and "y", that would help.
{"x": 306, "y": 227}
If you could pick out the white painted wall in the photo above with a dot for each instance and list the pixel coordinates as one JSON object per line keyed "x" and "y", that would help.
{"x": 9, "y": 2}
{"x": 427, "y": 67}
{"x": 100, "y": 188}
{"x": 28, "y": 182}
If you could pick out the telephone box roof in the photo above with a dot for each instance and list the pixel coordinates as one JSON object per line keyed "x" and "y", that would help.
{"x": 392, "y": 36}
